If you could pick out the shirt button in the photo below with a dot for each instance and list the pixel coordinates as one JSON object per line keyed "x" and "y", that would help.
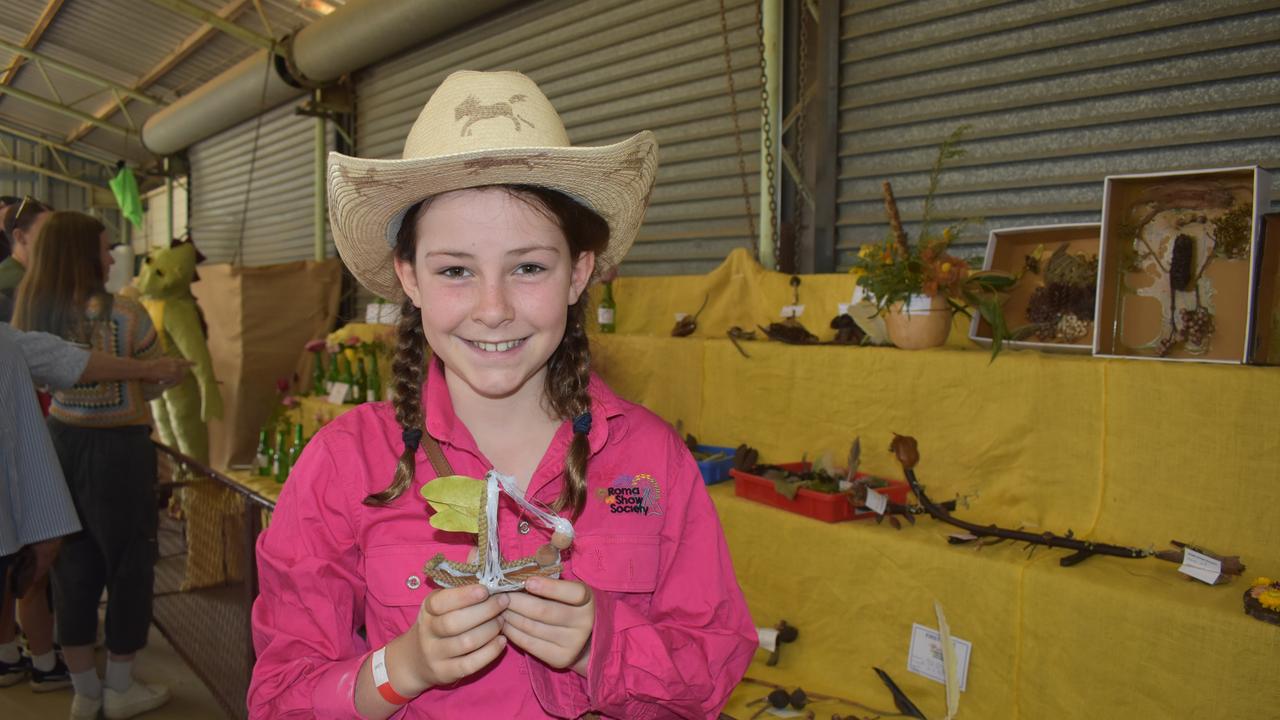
{"x": 414, "y": 582}
{"x": 523, "y": 527}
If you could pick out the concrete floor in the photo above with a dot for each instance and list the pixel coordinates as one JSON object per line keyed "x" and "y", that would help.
{"x": 158, "y": 663}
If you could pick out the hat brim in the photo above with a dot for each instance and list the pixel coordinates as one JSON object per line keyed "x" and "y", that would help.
{"x": 368, "y": 198}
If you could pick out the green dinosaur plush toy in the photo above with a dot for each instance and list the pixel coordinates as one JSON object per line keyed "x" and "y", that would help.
{"x": 182, "y": 412}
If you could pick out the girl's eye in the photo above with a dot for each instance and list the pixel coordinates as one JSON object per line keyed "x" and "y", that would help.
{"x": 529, "y": 269}
{"x": 453, "y": 273}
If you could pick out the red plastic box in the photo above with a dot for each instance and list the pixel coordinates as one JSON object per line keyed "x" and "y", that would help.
{"x": 827, "y": 507}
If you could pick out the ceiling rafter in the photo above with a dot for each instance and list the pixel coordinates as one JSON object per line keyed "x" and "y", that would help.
{"x": 189, "y": 45}
{"x": 52, "y": 145}
{"x": 42, "y": 60}
{"x": 33, "y": 37}
{"x": 245, "y": 35}
{"x": 48, "y": 104}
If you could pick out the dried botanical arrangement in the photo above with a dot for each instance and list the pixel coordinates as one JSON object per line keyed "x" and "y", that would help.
{"x": 1262, "y": 600}
{"x": 1061, "y": 310}
{"x": 907, "y": 453}
{"x": 1170, "y": 236}
{"x": 686, "y": 325}
{"x": 780, "y": 697}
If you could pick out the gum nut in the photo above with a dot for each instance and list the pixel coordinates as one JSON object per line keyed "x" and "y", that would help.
{"x": 779, "y": 698}
{"x": 788, "y": 633}
{"x": 546, "y": 556}
{"x": 561, "y": 541}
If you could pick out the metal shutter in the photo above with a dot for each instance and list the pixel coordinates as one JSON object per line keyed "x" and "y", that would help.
{"x": 612, "y": 68}
{"x": 278, "y": 217}
{"x": 1060, "y": 93}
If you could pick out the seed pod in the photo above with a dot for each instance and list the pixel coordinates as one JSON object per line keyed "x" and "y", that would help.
{"x": 561, "y": 541}
{"x": 799, "y": 699}
{"x": 779, "y": 698}
{"x": 547, "y": 556}
{"x": 1182, "y": 262}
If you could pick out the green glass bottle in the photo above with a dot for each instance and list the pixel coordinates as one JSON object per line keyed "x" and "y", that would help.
{"x": 280, "y": 460}
{"x": 607, "y": 312}
{"x": 296, "y": 449}
{"x": 262, "y": 459}
{"x": 373, "y": 388}
{"x": 359, "y": 390}
{"x": 344, "y": 376}
{"x": 319, "y": 382}
{"x": 332, "y": 376}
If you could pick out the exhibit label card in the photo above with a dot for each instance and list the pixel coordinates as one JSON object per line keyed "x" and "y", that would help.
{"x": 1200, "y": 566}
{"x": 792, "y": 311}
{"x": 338, "y": 393}
{"x": 768, "y": 638}
{"x": 925, "y": 655}
{"x": 876, "y": 502}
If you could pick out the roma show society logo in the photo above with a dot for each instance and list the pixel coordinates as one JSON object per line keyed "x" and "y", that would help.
{"x": 638, "y": 494}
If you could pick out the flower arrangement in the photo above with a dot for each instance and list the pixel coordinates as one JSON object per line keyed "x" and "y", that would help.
{"x": 896, "y": 269}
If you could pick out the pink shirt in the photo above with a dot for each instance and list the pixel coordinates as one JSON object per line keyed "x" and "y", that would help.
{"x": 672, "y": 634}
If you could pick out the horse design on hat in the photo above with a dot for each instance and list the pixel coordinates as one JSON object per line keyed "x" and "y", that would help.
{"x": 474, "y": 111}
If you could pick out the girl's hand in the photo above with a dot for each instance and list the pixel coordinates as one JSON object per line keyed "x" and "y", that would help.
{"x": 552, "y": 620}
{"x": 457, "y": 633}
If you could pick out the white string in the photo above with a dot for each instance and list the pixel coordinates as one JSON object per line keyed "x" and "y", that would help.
{"x": 491, "y": 575}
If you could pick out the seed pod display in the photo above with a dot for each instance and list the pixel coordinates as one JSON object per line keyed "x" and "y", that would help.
{"x": 1182, "y": 262}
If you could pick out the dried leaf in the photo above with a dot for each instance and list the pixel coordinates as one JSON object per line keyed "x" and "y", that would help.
{"x": 855, "y": 458}
{"x": 952, "y": 683}
{"x": 905, "y": 449}
{"x": 456, "y": 501}
{"x": 961, "y": 538}
{"x": 895, "y": 522}
{"x": 786, "y": 489}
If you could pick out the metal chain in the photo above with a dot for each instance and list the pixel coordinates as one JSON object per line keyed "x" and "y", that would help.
{"x": 737, "y": 128}
{"x": 766, "y": 128}
{"x": 802, "y": 86}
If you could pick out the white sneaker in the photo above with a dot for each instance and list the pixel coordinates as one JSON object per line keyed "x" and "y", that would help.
{"x": 139, "y": 698}
{"x": 84, "y": 707}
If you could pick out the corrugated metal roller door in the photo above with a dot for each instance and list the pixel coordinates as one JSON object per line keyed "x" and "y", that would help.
{"x": 275, "y": 205}
{"x": 1059, "y": 94}
{"x": 612, "y": 68}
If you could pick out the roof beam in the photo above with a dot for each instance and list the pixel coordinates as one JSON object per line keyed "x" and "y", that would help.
{"x": 10, "y": 130}
{"x": 46, "y": 16}
{"x": 244, "y": 35}
{"x": 74, "y": 71}
{"x": 56, "y": 107}
{"x": 50, "y": 173}
{"x": 189, "y": 45}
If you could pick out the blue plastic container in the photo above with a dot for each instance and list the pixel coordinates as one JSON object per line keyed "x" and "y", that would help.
{"x": 714, "y": 471}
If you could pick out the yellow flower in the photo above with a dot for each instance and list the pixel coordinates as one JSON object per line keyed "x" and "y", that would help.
{"x": 1262, "y": 581}
{"x": 946, "y": 267}
{"x": 1270, "y": 599}
{"x": 867, "y": 251}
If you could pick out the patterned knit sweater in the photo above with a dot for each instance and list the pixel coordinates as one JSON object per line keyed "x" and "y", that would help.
{"x": 125, "y": 332}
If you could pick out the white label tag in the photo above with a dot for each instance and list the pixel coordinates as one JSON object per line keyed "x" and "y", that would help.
{"x": 1200, "y": 566}
{"x": 792, "y": 311}
{"x": 604, "y": 316}
{"x": 338, "y": 393}
{"x": 842, "y": 309}
{"x": 919, "y": 304}
{"x": 784, "y": 712}
{"x": 876, "y": 502}
{"x": 768, "y": 638}
{"x": 925, "y": 655}
{"x": 859, "y": 294}
{"x": 681, "y": 316}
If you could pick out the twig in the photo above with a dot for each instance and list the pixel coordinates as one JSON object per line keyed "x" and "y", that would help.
{"x": 826, "y": 698}
{"x": 904, "y": 447}
{"x": 895, "y": 220}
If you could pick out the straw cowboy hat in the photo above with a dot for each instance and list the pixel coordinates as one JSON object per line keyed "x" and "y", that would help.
{"x": 484, "y": 128}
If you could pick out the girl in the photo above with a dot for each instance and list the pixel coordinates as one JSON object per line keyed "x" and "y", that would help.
{"x": 491, "y": 228}
{"x": 102, "y": 434}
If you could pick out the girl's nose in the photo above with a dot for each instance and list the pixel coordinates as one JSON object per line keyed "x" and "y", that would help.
{"x": 494, "y": 307}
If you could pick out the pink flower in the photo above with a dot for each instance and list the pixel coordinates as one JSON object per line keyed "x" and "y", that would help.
{"x": 315, "y": 346}
{"x": 282, "y": 385}
{"x": 332, "y": 348}
{"x": 289, "y": 401}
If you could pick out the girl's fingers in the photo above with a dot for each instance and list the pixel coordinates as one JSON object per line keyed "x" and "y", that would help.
{"x": 551, "y": 612}
{"x": 569, "y": 592}
{"x": 473, "y": 640}
{"x": 473, "y": 663}
{"x": 551, "y": 633}
{"x": 456, "y": 622}
{"x": 546, "y": 651}
{"x": 450, "y": 599}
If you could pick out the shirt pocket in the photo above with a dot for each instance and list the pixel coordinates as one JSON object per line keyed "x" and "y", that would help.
{"x": 397, "y": 586}
{"x": 616, "y": 563}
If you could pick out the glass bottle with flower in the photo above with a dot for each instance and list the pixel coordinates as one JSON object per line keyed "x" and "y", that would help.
{"x": 919, "y": 285}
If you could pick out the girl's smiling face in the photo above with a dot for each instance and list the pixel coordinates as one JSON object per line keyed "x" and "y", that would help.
{"x": 494, "y": 278}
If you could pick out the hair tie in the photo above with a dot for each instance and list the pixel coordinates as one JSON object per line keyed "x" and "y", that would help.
{"x": 412, "y": 438}
{"x": 582, "y": 423}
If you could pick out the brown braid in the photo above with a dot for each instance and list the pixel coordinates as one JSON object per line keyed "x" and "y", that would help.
{"x": 568, "y": 369}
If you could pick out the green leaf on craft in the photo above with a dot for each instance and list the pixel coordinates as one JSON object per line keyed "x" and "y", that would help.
{"x": 456, "y": 501}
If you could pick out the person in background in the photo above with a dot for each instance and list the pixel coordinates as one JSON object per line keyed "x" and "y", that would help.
{"x": 5, "y": 201}
{"x": 54, "y": 363}
{"x": 22, "y": 223}
{"x": 101, "y": 433}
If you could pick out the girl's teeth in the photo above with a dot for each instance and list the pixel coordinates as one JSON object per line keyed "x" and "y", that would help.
{"x": 497, "y": 347}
